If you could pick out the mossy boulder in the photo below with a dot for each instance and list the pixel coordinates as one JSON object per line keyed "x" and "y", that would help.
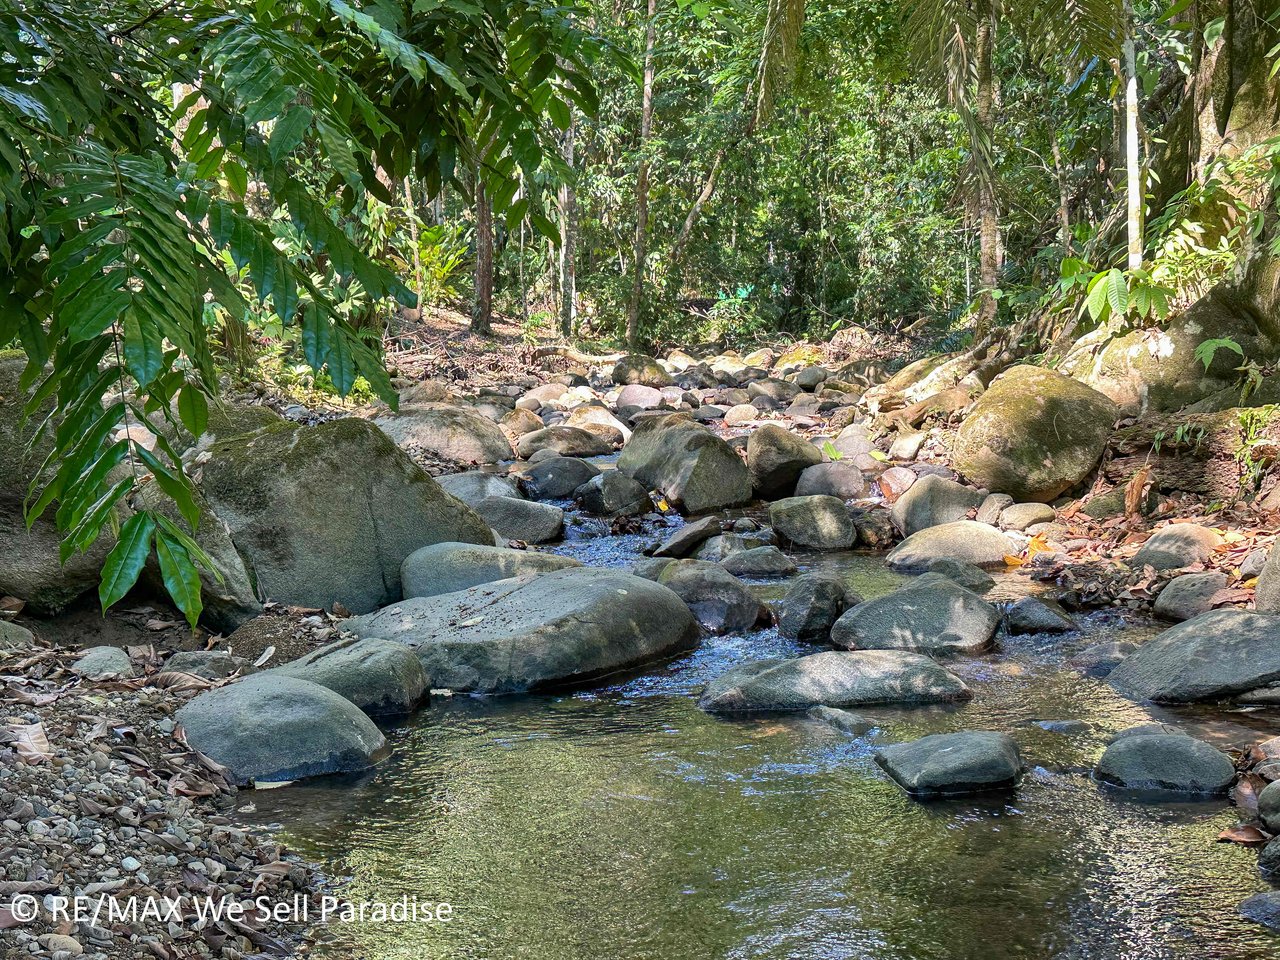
{"x": 328, "y": 513}
{"x": 458, "y": 434}
{"x": 638, "y": 368}
{"x": 694, "y": 469}
{"x": 1034, "y": 434}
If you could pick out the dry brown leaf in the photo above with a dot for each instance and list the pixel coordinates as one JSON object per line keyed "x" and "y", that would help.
{"x": 31, "y": 742}
{"x": 1245, "y": 834}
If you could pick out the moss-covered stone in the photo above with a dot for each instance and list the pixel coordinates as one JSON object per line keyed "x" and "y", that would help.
{"x": 638, "y": 368}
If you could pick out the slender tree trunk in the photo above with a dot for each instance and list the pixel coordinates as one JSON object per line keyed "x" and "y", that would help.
{"x": 413, "y": 237}
{"x": 482, "y": 310}
{"x": 1133, "y": 146}
{"x": 642, "y": 182}
{"x": 568, "y": 235}
{"x": 708, "y": 188}
{"x": 1064, "y": 198}
{"x": 988, "y": 214}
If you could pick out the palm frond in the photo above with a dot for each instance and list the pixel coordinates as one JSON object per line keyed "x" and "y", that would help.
{"x": 778, "y": 51}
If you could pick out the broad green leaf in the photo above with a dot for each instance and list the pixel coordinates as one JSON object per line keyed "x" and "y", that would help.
{"x": 193, "y": 408}
{"x": 1118, "y": 293}
{"x": 181, "y": 578}
{"x": 125, "y": 561}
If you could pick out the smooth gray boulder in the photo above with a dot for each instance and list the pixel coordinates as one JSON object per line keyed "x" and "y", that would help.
{"x": 1269, "y": 806}
{"x": 833, "y": 679}
{"x": 692, "y": 467}
{"x": 557, "y": 477}
{"x": 475, "y": 485}
{"x": 1175, "y": 546}
{"x": 449, "y": 567}
{"x": 522, "y": 519}
{"x": 1165, "y": 763}
{"x": 1215, "y": 656}
{"x": 776, "y": 457}
{"x": 445, "y": 432}
{"x": 811, "y": 607}
{"x": 272, "y": 728}
{"x": 759, "y": 562}
{"x": 1267, "y": 594}
{"x": 613, "y": 494}
{"x": 1033, "y": 615}
{"x": 382, "y": 678}
{"x": 1019, "y": 516}
{"x": 328, "y": 513}
{"x": 943, "y": 764}
{"x": 209, "y": 664}
{"x": 1189, "y": 595}
{"x": 559, "y": 629}
{"x": 720, "y": 601}
{"x": 563, "y": 441}
{"x": 966, "y": 574}
{"x": 688, "y": 538}
{"x": 816, "y": 523}
{"x": 964, "y": 540}
{"x": 932, "y": 501}
{"x": 842, "y": 480}
{"x": 933, "y": 615}
{"x": 103, "y": 663}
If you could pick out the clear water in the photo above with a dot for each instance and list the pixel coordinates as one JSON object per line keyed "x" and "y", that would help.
{"x": 623, "y": 822}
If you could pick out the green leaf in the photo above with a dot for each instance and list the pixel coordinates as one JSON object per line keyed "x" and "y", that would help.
{"x": 143, "y": 349}
{"x": 289, "y": 132}
{"x": 1209, "y": 349}
{"x": 126, "y": 559}
{"x": 181, "y": 578}
{"x": 1098, "y": 302}
{"x": 193, "y": 408}
{"x": 1118, "y": 293}
{"x": 237, "y": 177}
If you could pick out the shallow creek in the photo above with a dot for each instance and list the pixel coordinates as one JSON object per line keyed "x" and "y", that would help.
{"x": 622, "y": 822}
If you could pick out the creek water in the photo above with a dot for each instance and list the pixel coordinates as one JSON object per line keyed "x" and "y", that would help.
{"x": 622, "y": 822}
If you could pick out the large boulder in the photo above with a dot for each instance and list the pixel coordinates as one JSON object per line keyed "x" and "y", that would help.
{"x": 382, "y": 678}
{"x": 1165, "y": 763}
{"x": 522, "y": 519}
{"x": 273, "y": 728}
{"x": 562, "y": 628}
{"x": 692, "y": 467}
{"x": 443, "y": 432}
{"x": 558, "y": 477}
{"x": 931, "y": 615}
{"x": 1219, "y": 655}
{"x": 640, "y": 369}
{"x": 1177, "y": 545}
{"x": 964, "y": 540}
{"x": 811, "y": 607}
{"x": 932, "y": 501}
{"x": 564, "y": 441}
{"x": 613, "y": 494}
{"x": 842, "y": 480}
{"x": 817, "y": 523}
{"x": 449, "y": 567}
{"x": 776, "y": 457}
{"x": 328, "y": 513}
{"x": 833, "y": 679}
{"x": 475, "y": 485}
{"x": 951, "y": 763}
{"x": 720, "y": 601}
{"x": 1034, "y": 434}
{"x": 1189, "y": 595}
{"x": 1267, "y": 595}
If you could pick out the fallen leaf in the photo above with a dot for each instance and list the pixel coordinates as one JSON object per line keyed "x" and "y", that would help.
{"x": 31, "y": 742}
{"x": 1245, "y": 834}
{"x": 266, "y": 655}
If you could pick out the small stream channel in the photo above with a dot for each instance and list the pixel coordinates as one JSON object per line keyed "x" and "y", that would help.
{"x": 622, "y": 822}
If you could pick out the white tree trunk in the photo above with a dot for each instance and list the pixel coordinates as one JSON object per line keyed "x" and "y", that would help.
{"x": 1133, "y": 145}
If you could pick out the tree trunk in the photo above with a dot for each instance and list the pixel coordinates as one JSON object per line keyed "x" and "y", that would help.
{"x": 988, "y": 215}
{"x": 413, "y": 237}
{"x": 568, "y": 236}
{"x": 482, "y": 311}
{"x": 1133, "y": 154}
{"x": 1064, "y": 198}
{"x": 642, "y": 182}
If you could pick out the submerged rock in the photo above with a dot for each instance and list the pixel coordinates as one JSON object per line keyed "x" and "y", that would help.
{"x": 811, "y": 607}
{"x": 953, "y": 763}
{"x": 1164, "y": 763}
{"x": 834, "y": 679}
{"x": 964, "y": 540}
{"x": 449, "y": 567}
{"x": 932, "y": 615}
{"x": 691, "y": 466}
{"x": 383, "y": 679}
{"x": 1263, "y": 908}
{"x": 817, "y": 523}
{"x": 566, "y": 627}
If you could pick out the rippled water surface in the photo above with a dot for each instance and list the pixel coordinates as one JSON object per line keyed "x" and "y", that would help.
{"x": 622, "y": 822}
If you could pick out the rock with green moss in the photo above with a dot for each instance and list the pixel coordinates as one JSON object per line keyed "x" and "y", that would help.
{"x": 638, "y": 368}
{"x": 227, "y": 418}
{"x": 1034, "y": 434}
{"x": 445, "y": 432}
{"x": 328, "y": 513}
{"x": 694, "y": 469}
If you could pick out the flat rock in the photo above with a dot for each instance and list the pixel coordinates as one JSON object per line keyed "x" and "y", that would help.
{"x": 209, "y": 664}
{"x": 1164, "y": 763}
{"x": 1263, "y": 908}
{"x": 383, "y": 679}
{"x": 953, "y": 763}
{"x": 966, "y": 574}
{"x": 522, "y": 519}
{"x": 816, "y": 523}
{"x": 563, "y": 441}
{"x": 475, "y": 485}
{"x": 759, "y": 562}
{"x": 965, "y": 540}
{"x": 1175, "y": 546}
{"x": 1019, "y": 516}
{"x": 449, "y": 567}
{"x": 459, "y": 434}
{"x": 932, "y": 615}
{"x": 689, "y": 537}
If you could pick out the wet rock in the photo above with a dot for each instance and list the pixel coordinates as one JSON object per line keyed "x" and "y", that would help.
{"x": 558, "y": 629}
{"x": 1163, "y": 763}
{"x": 688, "y": 538}
{"x": 692, "y": 467}
{"x": 811, "y": 607}
{"x": 522, "y": 519}
{"x": 104, "y": 663}
{"x": 1020, "y": 516}
{"x": 953, "y": 763}
{"x": 475, "y": 485}
{"x": 210, "y": 664}
{"x": 1189, "y": 595}
{"x": 1175, "y": 546}
{"x": 966, "y": 574}
{"x": 833, "y": 679}
{"x": 1099, "y": 659}
{"x": 1263, "y": 908}
{"x": 760, "y": 562}
{"x": 776, "y": 458}
{"x": 613, "y": 494}
{"x": 640, "y": 369}
{"x": 933, "y": 615}
{"x": 720, "y": 602}
{"x": 273, "y": 728}
{"x": 383, "y": 679}
{"x": 932, "y": 501}
{"x": 1215, "y": 656}
{"x": 845, "y": 721}
{"x": 964, "y": 540}
{"x": 563, "y": 441}
{"x": 1033, "y": 615}
{"x": 448, "y": 567}
{"x": 1269, "y": 807}
{"x": 843, "y": 481}
{"x": 992, "y": 507}
{"x": 817, "y": 523}
{"x": 444, "y": 432}
{"x": 1034, "y": 434}
{"x": 557, "y": 477}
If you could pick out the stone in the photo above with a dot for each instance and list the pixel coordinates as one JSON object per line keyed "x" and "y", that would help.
{"x": 688, "y": 538}
{"x": 272, "y": 728}
{"x": 875, "y": 527}
{"x": 1267, "y": 594}
{"x": 520, "y": 421}
{"x": 932, "y": 615}
{"x": 595, "y": 419}
{"x": 966, "y": 574}
{"x": 14, "y": 637}
{"x": 810, "y": 377}
{"x": 1165, "y": 764}
{"x": 721, "y": 547}
{"x": 475, "y": 485}
{"x": 563, "y": 441}
{"x": 1269, "y": 807}
{"x": 522, "y": 519}
{"x": 906, "y": 446}
{"x": 209, "y": 664}
{"x": 558, "y": 629}
{"x": 853, "y": 441}
{"x": 103, "y": 663}
{"x": 693, "y": 468}
{"x": 720, "y": 602}
{"x": 1215, "y": 656}
{"x": 383, "y": 679}
{"x": 1034, "y": 434}
{"x": 760, "y": 562}
{"x": 640, "y": 369}
{"x": 1019, "y": 516}
{"x": 1263, "y": 908}
{"x": 776, "y": 458}
{"x": 1033, "y": 615}
{"x": 992, "y": 507}
{"x": 932, "y": 501}
{"x": 740, "y": 413}
{"x": 1253, "y": 565}
{"x": 457, "y": 434}
{"x": 845, "y": 721}
{"x": 613, "y": 494}
{"x": 1175, "y": 546}
{"x": 811, "y": 606}
{"x": 841, "y": 480}
{"x": 638, "y": 395}
{"x": 895, "y": 482}
{"x": 328, "y": 513}
{"x": 449, "y": 567}
{"x": 943, "y": 764}
{"x": 964, "y": 540}
{"x": 1189, "y": 595}
{"x": 815, "y": 523}
{"x": 557, "y": 477}
{"x": 1099, "y": 659}
{"x": 778, "y": 391}
{"x": 57, "y": 943}
{"x": 833, "y": 679}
